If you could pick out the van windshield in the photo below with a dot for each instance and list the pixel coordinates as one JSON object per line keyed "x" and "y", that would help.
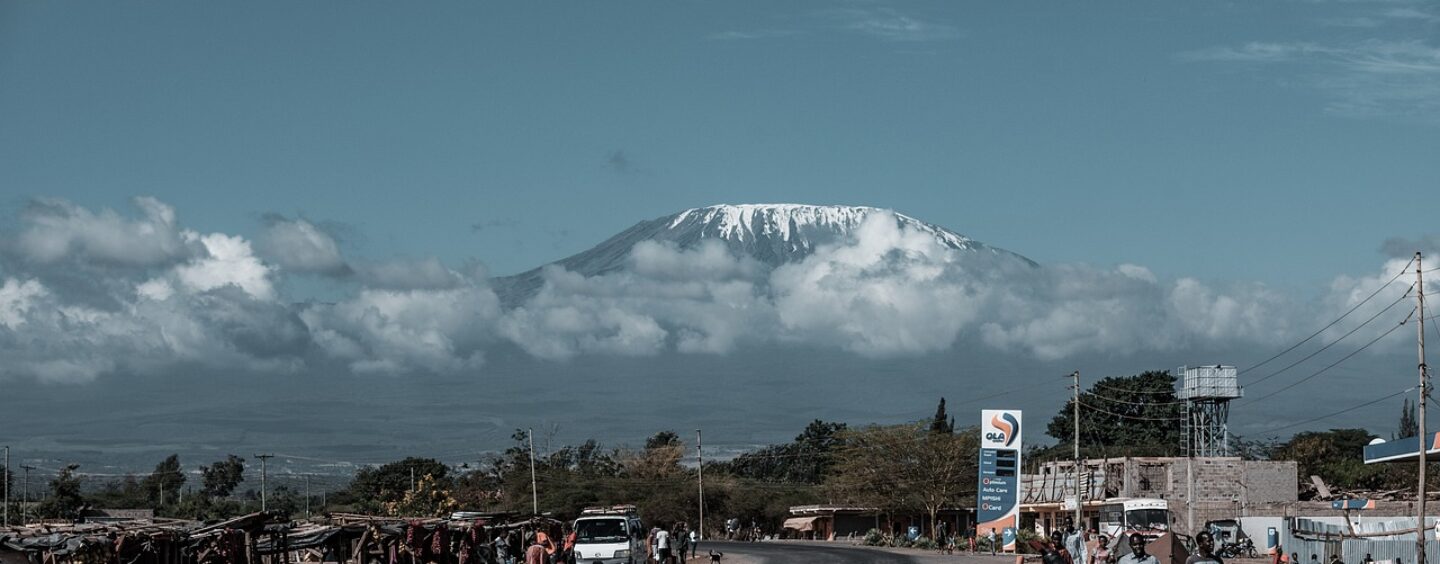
{"x": 600, "y": 530}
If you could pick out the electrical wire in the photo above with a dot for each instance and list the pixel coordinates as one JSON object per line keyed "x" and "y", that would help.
{"x": 1332, "y": 365}
{"x": 1133, "y": 417}
{"x": 1341, "y": 412}
{"x": 1332, "y": 343}
{"x": 1332, "y": 323}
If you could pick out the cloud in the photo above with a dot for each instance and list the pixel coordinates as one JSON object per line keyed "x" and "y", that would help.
{"x": 888, "y": 24}
{"x": 1402, "y": 247}
{"x": 888, "y": 290}
{"x": 1391, "y": 79}
{"x": 747, "y": 35}
{"x": 54, "y": 230}
{"x": 619, "y": 162}
{"x": 300, "y": 246}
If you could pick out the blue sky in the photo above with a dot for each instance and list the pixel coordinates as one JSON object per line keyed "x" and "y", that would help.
{"x": 1257, "y": 141}
{"x": 301, "y": 192}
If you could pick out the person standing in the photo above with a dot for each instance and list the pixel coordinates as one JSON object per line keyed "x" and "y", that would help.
{"x": 694, "y": 541}
{"x": 1204, "y": 550}
{"x": 1137, "y": 552}
{"x": 990, "y": 536}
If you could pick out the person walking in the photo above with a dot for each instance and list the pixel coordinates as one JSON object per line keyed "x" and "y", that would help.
{"x": 682, "y": 542}
{"x": 662, "y": 546}
{"x": 990, "y": 536}
{"x": 694, "y": 541}
{"x": 1204, "y": 550}
{"x": 1075, "y": 544}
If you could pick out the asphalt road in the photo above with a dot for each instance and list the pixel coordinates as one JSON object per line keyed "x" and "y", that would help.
{"x": 797, "y": 553}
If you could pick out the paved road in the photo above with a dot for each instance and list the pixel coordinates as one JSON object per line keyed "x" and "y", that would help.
{"x": 820, "y": 553}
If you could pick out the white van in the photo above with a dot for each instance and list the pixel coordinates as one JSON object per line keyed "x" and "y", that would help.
{"x": 609, "y": 535}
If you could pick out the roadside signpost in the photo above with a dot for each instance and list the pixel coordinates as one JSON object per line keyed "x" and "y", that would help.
{"x": 999, "y": 498}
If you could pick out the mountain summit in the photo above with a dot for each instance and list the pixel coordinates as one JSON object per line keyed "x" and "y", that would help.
{"x": 773, "y": 234}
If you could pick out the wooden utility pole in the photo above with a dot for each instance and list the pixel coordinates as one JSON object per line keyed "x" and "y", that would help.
{"x": 534, "y": 493}
{"x": 1079, "y": 499}
{"x": 700, "y": 472}
{"x": 7, "y": 486}
{"x": 1420, "y": 529}
{"x": 25, "y": 496}
{"x": 264, "y": 474}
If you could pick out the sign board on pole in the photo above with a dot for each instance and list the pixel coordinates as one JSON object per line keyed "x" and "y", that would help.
{"x": 999, "y": 500}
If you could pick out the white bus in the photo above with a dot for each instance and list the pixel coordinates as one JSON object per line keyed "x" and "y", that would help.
{"x": 1123, "y": 516}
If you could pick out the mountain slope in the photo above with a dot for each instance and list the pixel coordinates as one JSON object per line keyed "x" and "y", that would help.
{"x": 773, "y": 234}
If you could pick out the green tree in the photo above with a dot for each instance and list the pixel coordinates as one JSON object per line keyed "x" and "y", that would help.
{"x": 65, "y": 499}
{"x": 1408, "y": 427}
{"x": 805, "y": 460}
{"x": 901, "y": 468}
{"x": 1124, "y": 415}
{"x": 163, "y": 485}
{"x": 374, "y": 487}
{"x": 221, "y": 477}
{"x": 1337, "y": 456}
{"x": 942, "y": 423}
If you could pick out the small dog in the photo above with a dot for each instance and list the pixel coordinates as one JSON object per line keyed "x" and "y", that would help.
{"x": 715, "y": 556}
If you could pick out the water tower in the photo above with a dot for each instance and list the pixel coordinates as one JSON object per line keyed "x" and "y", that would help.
{"x": 1207, "y": 391}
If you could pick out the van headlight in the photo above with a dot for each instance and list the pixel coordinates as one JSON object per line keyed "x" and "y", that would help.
{"x": 621, "y": 554}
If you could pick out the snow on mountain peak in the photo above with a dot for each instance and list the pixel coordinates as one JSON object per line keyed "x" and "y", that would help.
{"x": 771, "y": 234}
{"x": 739, "y": 222}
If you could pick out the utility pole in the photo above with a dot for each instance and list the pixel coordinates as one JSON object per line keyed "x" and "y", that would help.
{"x": 264, "y": 473}
{"x": 25, "y": 496}
{"x": 412, "y": 478}
{"x": 534, "y": 493}
{"x": 1079, "y": 513}
{"x": 7, "y": 486}
{"x": 700, "y": 472}
{"x": 307, "y": 495}
{"x": 1420, "y": 528}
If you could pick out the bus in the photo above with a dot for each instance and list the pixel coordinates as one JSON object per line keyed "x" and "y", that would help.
{"x": 1123, "y": 516}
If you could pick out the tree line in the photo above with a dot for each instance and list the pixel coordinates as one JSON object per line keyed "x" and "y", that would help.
{"x": 920, "y": 467}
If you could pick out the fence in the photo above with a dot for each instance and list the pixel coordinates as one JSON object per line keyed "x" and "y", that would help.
{"x": 1324, "y": 540}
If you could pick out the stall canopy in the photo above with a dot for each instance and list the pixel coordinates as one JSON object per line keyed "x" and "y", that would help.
{"x": 801, "y": 523}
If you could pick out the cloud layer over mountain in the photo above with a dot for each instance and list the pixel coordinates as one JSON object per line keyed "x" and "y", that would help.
{"x": 87, "y": 293}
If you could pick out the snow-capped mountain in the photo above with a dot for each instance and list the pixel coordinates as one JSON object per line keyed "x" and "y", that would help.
{"x": 772, "y": 234}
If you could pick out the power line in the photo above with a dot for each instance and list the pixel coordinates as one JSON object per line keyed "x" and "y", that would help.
{"x": 1332, "y": 365}
{"x": 1332, "y": 323}
{"x": 1341, "y": 412}
{"x": 1132, "y": 417}
{"x": 1332, "y": 343}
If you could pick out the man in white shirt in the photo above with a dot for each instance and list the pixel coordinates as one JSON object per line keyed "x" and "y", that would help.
{"x": 662, "y": 545}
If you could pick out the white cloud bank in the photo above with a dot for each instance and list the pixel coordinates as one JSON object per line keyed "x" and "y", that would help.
{"x": 171, "y": 299}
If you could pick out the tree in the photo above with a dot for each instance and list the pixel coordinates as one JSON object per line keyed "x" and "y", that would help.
{"x": 902, "y": 468}
{"x": 1131, "y": 415}
{"x": 221, "y": 477}
{"x": 942, "y": 423}
{"x": 429, "y": 498}
{"x": 1337, "y": 456}
{"x": 1409, "y": 427}
{"x": 163, "y": 485}
{"x": 65, "y": 500}
{"x": 373, "y": 487}
{"x": 807, "y": 460}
